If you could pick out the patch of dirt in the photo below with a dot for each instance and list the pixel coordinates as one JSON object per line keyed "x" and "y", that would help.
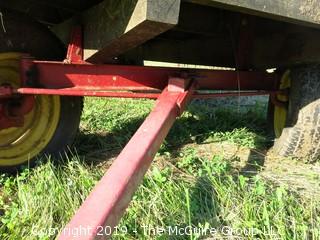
{"x": 302, "y": 178}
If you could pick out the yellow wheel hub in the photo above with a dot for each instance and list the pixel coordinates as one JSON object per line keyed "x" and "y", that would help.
{"x": 20, "y": 144}
{"x": 280, "y": 113}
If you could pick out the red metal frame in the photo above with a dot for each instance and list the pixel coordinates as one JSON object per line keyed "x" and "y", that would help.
{"x": 77, "y": 78}
{"x": 107, "y": 202}
{"x": 61, "y": 76}
{"x": 74, "y": 77}
{"x": 172, "y": 87}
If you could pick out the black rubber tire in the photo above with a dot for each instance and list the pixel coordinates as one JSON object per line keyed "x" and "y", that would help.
{"x": 22, "y": 34}
{"x": 68, "y": 126}
{"x": 270, "y": 119}
{"x": 301, "y": 137}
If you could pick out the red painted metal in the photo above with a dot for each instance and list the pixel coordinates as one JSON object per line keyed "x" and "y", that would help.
{"x": 5, "y": 91}
{"x": 75, "y": 51}
{"x": 23, "y": 105}
{"x": 13, "y": 110}
{"x": 87, "y": 77}
{"x": 117, "y": 94}
{"x": 6, "y": 121}
{"x": 110, "y": 197}
{"x": 83, "y": 92}
{"x": 106, "y": 204}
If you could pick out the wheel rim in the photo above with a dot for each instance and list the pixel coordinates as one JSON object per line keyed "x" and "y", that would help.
{"x": 280, "y": 113}
{"x": 20, "y": 144}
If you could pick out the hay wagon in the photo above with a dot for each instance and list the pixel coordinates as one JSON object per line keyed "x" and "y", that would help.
{"x": 53, "y": 53}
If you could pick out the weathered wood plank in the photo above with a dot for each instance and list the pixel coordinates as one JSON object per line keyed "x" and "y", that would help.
{"x": 272, "y": 44}
{"x": 297, "y": 11}
{"x": 116, "y": 26}
{"x": 215, "y": 51}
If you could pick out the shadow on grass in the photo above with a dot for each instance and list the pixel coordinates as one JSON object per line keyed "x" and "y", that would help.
{"x": 204, "y": 203}
{"x": 203, "y": 207}
{"x": 254, "y": 164}
{"x": 196, "y": 126}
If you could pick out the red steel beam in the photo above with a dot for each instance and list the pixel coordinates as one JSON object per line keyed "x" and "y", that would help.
{"x": 58, "y": 75}
{"x": 117, "y": 94}
{"x": 85, "y": 92}
{"x": 107, "y": 202}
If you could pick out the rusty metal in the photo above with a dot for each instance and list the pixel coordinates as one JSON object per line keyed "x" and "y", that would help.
{"x": 13, "y": 110}
{"x": 110, "y": 197}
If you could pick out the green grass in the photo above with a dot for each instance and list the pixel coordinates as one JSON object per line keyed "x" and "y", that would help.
{"x": 183, "y": 189}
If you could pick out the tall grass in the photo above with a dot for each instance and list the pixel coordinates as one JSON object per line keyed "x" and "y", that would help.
{"x": 185, "y": 194}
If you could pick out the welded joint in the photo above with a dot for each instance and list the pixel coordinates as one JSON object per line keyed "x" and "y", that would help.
{"x": 75, "y": 47}
{"x": 186, "y": 87}
{"x": 178, "y": 84}
{"x": 186, "y": 96}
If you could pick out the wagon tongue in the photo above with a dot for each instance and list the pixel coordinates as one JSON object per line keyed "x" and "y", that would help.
{"x": 107, "y": 202}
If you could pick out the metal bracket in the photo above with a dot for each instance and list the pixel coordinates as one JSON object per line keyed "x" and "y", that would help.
{"x": 75, "y": 47}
